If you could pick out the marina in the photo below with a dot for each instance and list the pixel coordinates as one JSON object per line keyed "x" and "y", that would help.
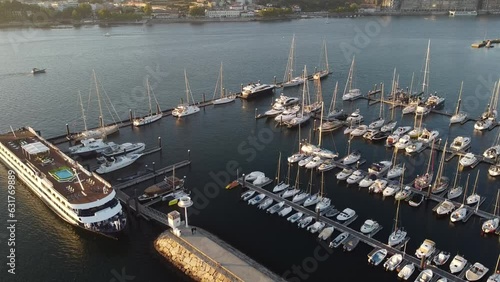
{"x": 221, "y": 136}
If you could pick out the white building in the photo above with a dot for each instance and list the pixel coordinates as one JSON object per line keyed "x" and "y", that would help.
{"x": 222, "y": 13}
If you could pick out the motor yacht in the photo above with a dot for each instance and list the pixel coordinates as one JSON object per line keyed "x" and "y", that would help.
{"x": 354, "y": 117}
{"x": 247, "y": 195}
{"x": 252, "y": 176}
{"x": 378, "y": 186}
{"x": 406, "y": 271}
{"x": 339, "y": 240}
{"x": 391, "y": 189}
{"x": 305, "y": 161}
{"x": 315, "y": 162}
{"x": 458, "y": 214}
{"x": 460, "y": 143}
{"x": 468, "y": 160}
{"x": 425, "y": 276}
{"x": 367, "y": 181}
{"x": 445, "y": 207}
{"x": 125, "y": 148}
{"x": 389, "y": 126}
{"x": 377, "y": 257}
{"x": 476, "y": 272}
{"x": 323, "y": 203}
{"x": 457, "y": 264}
{"x": 326, "y": 166}
{"x": 353, "y": 157}
{"x": 426, "y": 249}
{"x": 115, "y": 163}
{"x": 296, "y": 158}
{"x": 355, "y": 177}
{"x": 359, "y": 131}
{"x": 428, "y": 136}
{"x": 377, "y": 123}
{"x": 344, "y": 174}
{"x": 403, "y": 193}
{"x": 380, "y": 168}
{"x": 441, "y": 258}
{"x": 369, "y": 226}
{"x": 300, "y": 197}
{"x": 346, "y": 214}
{"x": 490, "y": 225}
{"x": 492, "y": 152}
{"x": 393, "y": 262}
{"x": 416, "y": 200}
{"x": 89, "y": 146}
{"x": 403, "y": 142}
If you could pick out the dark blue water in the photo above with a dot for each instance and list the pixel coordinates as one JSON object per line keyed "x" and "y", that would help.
{"x": 225, "y": 137}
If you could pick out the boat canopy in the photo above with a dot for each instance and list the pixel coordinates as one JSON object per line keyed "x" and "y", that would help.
{"x": 35, "y": 148}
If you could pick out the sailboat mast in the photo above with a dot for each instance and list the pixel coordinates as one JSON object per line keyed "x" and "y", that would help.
{"x": 279, "y": 168}
{"x": 411, "y": 84}
{"x": 149, "y": 97}
{"x": 288, "y": 176}
{"x": 221, "y": 84}
{"x": 459, "y": 98}
{"x": 381, "y": 101}
{"x": 322, "y": 183}
{"x": 304, "y": 89}
{"x": 334, "y": 101}
{"x": 393, "y": 88}
{"x": 348, "y": 83}
{"x": 187, "y": 86}
{"x": 475, "y": 182}
{"x": 320, "y": 125}
{"x": 466, "y": 188}
{"x": 83, "y": 111}
{"x": 290, "y": 64}
{"x": 101, "y": 118}
{"x": 425, "y": 84}
{"x": 456, "y": 176}
{"x": 326, "y": 57}
{"x": 297, "y": 178}
{"x": 430, "y": 158}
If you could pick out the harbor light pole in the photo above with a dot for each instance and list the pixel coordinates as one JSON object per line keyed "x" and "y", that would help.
{"x": 185, "y": 202}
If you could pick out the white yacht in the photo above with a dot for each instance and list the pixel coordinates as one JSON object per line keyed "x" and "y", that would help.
{"x": 346, "y": 214}
{"x": 490, "y": 225}
{"x": 428, "y": 136}
{"x": 476, "y": 272}
{"x": 458, "y": 117}
{"x": 257, "y": 199}
{"x": 403, "y": 142}
{"x": 378, "y": 186}
{"x": 406, "y": 271}
{"x": 305, "y": 161}
{"x": 369, "y": 226}
{"x": 89, "y": 146}
{"x": 393, "y": 262}
{"x": 395, "y": 171}
{"x": 125, "y": 148}
{"x": 441, "y": 258}
{"x": 276, "y": 207}
{"x": 253, "y": 175}
{"x": 377, "y": 123}
{"x": 311, "y": 200}
{"x": 284, "y": 101}
{"x": 468, "y": 160}
{"x": 353, "y": 157}
{"x": 484, "y": 124}
{"x": 317, "y": 226}
{"x": 344, "y": 174}
{"x": 367, "y": 181}
{"x": 354, "y": 117}
{"x": 261, "y": 180}
{"x": 355, "y": 177}
{"x": 296, "y": 158}
{"x": 403, "y": 193}
{"x": 389, "y": 126}
{"x": 76, "y": 195}
{"x": 494, "y": 170}
{"x": 457, "y": 264}
{"x": 391, "y": 189}
{"x": 458, "y": 214}
{"x": 380, "y": 168}
{"x": 351, "y": 95}
{"x": 316, "y": 161}
{"x": 299, "y": 197}
{"x": 401, "y": 130}
{"x": 359, "y": 131}
{"x": 115, "y": 163}
{"x": 305, "y": 221}
{"x": 426, "y": 249}
{"x": 256, "y": 89}
{"x": 445, "y": 207}
{"x": 460, "y": 143}
{"x": 247, "y": 195}
{"x": 185, "y": 109}
{"x": 425, "y": 276}
{"x": 414, "y": 147}
{"x": 323, "y": 203}
{"x": 492, "y": 152}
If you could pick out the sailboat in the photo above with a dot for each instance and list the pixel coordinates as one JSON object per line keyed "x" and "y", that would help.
{"x": 294, "y": 190}
{"x": 326, "y": 70}
{"x": 389, "y": 126}
{"x": 334, "y": 112}
{"x": 398, "y": 234}
{"x": 323, "y": 202}
{"x": 474, "y": 197}
{"x": 442, "y": 182}
{"x": 304, "y": 115}
{"x": 423, "y": 181}
{"x": 491, "y": 225}
{"x": 461, "y": 212}
{"x": 289, "y": 80}
{"x": 433, "y": 101}
{"x": 184, "y": 109}
{"x": 456, "y": 191}
{"x": 316, "y": 106}
{"x": 350, "y": 93}
{"x": 396, "y": 169}
{"x": 377, "y": 123}
{"x": 224, "y": 99}
{"x": 281, "y": 185}
{"x": 493, "y": 151}
{"x": 103, "y": 130}
{"x": 150, "y": 118}
{"x": 490, "y": 115}
{"x": 459, "y": 116}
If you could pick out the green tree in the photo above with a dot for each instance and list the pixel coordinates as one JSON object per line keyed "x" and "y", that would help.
{"x": 103, "y": 14}
{"x": 147, "y": 9}
{"x": 197, "y": 11}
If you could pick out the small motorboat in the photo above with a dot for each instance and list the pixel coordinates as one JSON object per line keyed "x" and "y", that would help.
{"x": 392, "y": 140}
{"x": 391, "y": 189}
{"x": 445, "y": 207}
{"x": 305, "y": 221}
{"x": 344, "y": 174}
{"x": 323, "y": 204}
{"x": 346, "y": 214}
{"x": 428, "y": 136}
{"x": 441, "y": 258}
{"x": 393, "y": 262}
{"x": 351, "y": 243}
{"x": 414, "y": 147}
{"x": 490, "y": 225}
{"x": 458, "y": 117}
{"x": 457, "y": 264}
{"x": 354, "y": 117}
{"x": 326, "y": 166}
{"x": 425, "y": 276}
{"x": 403, "y": 193}
{"x": 377, "y": 123}
{"x": 492, "y": 152}
{"x": 460, "y": 143}
{"x": 257, "y": 199}
{"x": 359, "y": 131}
{"x": 339, "y": 240}
{"x": 369, "y": 134}
{"x": 454, "y": 192}
{"x": 369, "y": 226}
{"x": 406, "y": 271}
{"x": 380, "y": 168}
{"x": 378, "y": 186}
{"x": 296, "y": 157}
{"x": 232, "y": 185}
{"x": 353, "y": 157}
{"x": 253, "y": 175}
{"x": 285, "y": 211}
{"x": 484, "y": 124}
{"x": 476, "y": 272}
{"x": 426, "y": 249}
{"x": 494, "y": 170}
{"x": 311, "y": 200}
{"x": 367, "y": 181}
{"x": 355, "y": 177}
{"x": 280, "y": 187}
{"x": 468, "y": 160}
{"x": 326, "y": 233}
{"x": 37, "y": 71}
{"x": 300, "y": 197}
{"x": 396, "y": 237}
{"x": 395, "y": 171}
{"x": 458, "y": 214}
{"x": 265, "y": 203}
{"x": 316, "y": 161}
{"x": 247, "y": 195}
{"x": 276, "y": 207}
{"x": 389, "y": 126}
{"x": 403, "y": 142}
{"x": 377, "y": 257}
{"x": 416, "y": 200}
{"x": 305, "y": 161}
{"x": 290, "y": 193}
{"x": 294, "y": 217}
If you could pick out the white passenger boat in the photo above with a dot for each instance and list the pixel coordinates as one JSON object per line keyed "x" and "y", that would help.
{"x": 115, "y": 163}
{"x": 351, "y": 158}
{"x": 285, "y": 211}
{"x": 445, "y": 207}
{"x": 441, "y": 258}
{"x": 253, "y": 175}
{"x": 275, "y": 208}
{"x": 257, "y": 199}
{"x": 403, "y": 142}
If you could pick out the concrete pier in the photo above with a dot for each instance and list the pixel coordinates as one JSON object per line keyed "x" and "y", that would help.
{"x": 205, "y": 257}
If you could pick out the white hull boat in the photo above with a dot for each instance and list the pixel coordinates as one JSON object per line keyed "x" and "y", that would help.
{"x": 326, "y": 233}
{"x": 458, "y": 118}
{"x": 253, "y": 176}
{"x": 380, "y": 168}
{"x": 460, "y": 143}
{"x": 316, "y": 227}
{"x": 490, "y": 226}
{"x": 396, "y": 237}
{"x": 285, "y": 211}
{"x": 355, "y": 177}
{"x": 316, "y": 161}
{"x": 247, "y": 195}
{"x": 395, "y": 171}
{"x": 89, "y": 146}
{"x": 118, "y": 163}
{"x": 311, "y": 200}
{"x": 425, "y": 276}
{"x": 378, "y": 186}
{"x": 377, "y": 257}
{"x": 305, "y": 221}
{"x": 457, "y": 264}
{"x": 294, "y": 217}
{"x": 378, "y": 123}
{"x": 346, "y": 214}
{"x": 358, "y": 131}
{"x": 266, "y": 203}
{"x": 296, "y": 158}
{"x": 406, "y": 271}
{"x": 305, "y": 161}
{"x": 454, "y": 192}
{"x": 369, "y": 226}
{"x": 389, "y": 126}
{"x": 280, "y": 187}
{"x": 445, "y": 207}
{"x": 393, "y": 262}
{"x": 322, "y": 204}
{"x": 300, "y": 197}
{"x": 492, "y": 152}
{"x": 339, "y": 240}
{"x": 351, "y": 158}
{"x": 344, "y": 174}
{"x": 441, "y": 258}
{"x": 290, "y": 193}
{"x": 426, "y": 249}
{"x": 257, "y": 199}
{"x": 468, "y": 160}
{"x": 428, "y": 136}
{"x": 125, "y": 148}
{"x": 367, "y": 181}
{"x": 476, "y": 272}
{"x": 494, "y": 170}
{"x": 403, "y": 142}
{"x": 351, "y": 95}
{"x": 275, "y": 208}
{"x": 414, "y": 147}
{"x": 458, "y": 215}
